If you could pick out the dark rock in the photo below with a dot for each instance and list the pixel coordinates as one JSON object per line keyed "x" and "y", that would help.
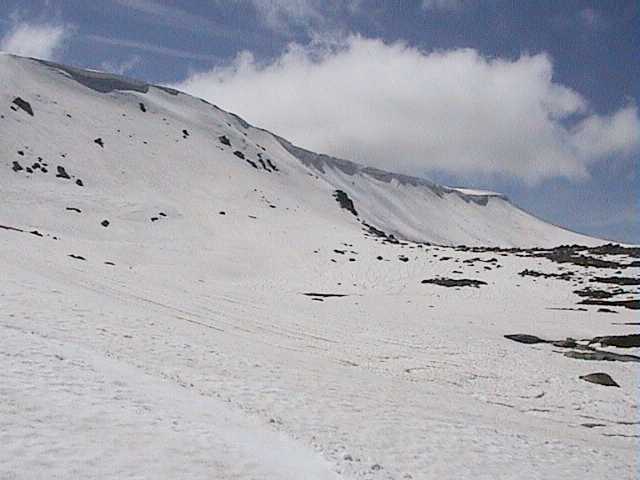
{"x": 345, "y": 202}
{"x": 104, "y": 223}
{"x": 630, "y": 304}
{"x": 621, "y": 341}
{"x": 600, "y": 378}
{"x": 77, "y": 257}
{"x": 29, "y": 170}
{"x": 524, "y": 338}
{"x": 568, "y": 343}
{"x": 239, "y": 154}
{"x": 23, "y": 104}
{"x": 379, "y": 257}
{"x": 222, "y": 212}
{"x": 455, "y": 282}
{"x": 74, "y": 209}
{"x": 630, "y": 281}
{"x": 99, "y": 142}
{"x": 16, "y": 166}
{"x": 599, "y": 356}
{"x": 162, "y": 214}
{"x": 185, "y": 133}
{"x": 324, "y": 295}
{"x": 606, "y": 310}
{"x": 142, "y": 107}
{"x": 154, "y": 219}
{"x": 36, "y": 233}
{"x": 21, "y": 153}
{"x": 79, "y": 183}
{"x": 109, "y": 263}
{"x": 224, "y": 140}
{"x": 62, "y": 173}
{"x": 272, "y": 165}
{"x": 252, "y": 163}
{"x": 402, "y": 258}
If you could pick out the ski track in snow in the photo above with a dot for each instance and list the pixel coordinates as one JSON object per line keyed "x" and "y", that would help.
{"x": 197, "y": 354}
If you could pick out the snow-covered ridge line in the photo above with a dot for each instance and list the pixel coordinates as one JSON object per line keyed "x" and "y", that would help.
{"x": 105, "y": 82}
{"x": 139, "y": 127}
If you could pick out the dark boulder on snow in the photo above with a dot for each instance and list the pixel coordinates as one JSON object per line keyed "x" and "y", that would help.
{"x": 600, "y": 378}
{"x": 99, "y": 141}
{"x": 620, "y": 341}
{"x": 239, "y": 154}
{"x": 345, "y": 202}
{"x": 104, "y": 223}
{"x": 16, "y": 166}
{"x": 224, "y": 140}
{"x": 62, "y": 173}
{"x": 143, "y": 108}
{"x": 524, "y": 338}
{"x": 454, "y": 282}
{"x": 23, "y": 104}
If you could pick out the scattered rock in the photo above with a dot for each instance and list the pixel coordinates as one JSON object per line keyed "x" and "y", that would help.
{"x": 16, "y": 166}
{"x": 524, "y": 338}
{"x": 455, "y": 282}
{"x": 324, "y": 295}
{"x": 597, "y": 355}
{"x": 621, "y": 341}
{"x": 345, "y": 202}
{"x": 24, "y": 105}
{"x": 606, "y": 310}
{"x": 630, "y": 304}
{"x": 630, "y": 281}
{"x": 600, "y": 378}
{"x": 62, "y": 173}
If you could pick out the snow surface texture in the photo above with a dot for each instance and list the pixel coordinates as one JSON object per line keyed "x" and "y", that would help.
{"x": 183, "y": 297}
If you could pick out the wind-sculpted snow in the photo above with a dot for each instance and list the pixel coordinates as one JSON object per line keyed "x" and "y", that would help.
{"x": 206, "y": 304}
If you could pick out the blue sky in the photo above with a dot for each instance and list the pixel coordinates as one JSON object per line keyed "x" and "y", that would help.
{"x": 535, "y": 99}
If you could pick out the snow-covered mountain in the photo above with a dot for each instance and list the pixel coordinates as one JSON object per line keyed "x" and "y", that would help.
{"x": 148, "y": 162}
{"x": 183, "y": 295}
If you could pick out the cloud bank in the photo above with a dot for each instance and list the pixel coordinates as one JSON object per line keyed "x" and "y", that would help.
{"x": 34, "y": 40}
{"x": 396, "y": 107}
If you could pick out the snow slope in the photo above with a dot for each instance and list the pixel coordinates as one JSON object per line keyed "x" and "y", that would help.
{"x": 154, "y": 322}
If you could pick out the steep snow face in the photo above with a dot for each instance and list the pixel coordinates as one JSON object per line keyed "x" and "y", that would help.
{"x": 143, "y": 156}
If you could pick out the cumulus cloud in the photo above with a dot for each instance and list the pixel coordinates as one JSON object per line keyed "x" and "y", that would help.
{"x": 396, "y": 107}
{"x": 279, "y": 14}
{"x": 34, "y": 40}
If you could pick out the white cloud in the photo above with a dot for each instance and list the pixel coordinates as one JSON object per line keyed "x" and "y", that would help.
{"x": 279, "y": 14}
{"x": 121, "y": 67}
{"x": 398, "y": 108}
{"x": 34, "y": 40}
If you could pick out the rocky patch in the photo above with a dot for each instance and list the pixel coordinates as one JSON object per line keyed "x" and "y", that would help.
{"x": 454, "y": 282}
{"x": 600, "y": 379}
{"x": 345, "y": 202}
{"x": 23, "y": 104}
